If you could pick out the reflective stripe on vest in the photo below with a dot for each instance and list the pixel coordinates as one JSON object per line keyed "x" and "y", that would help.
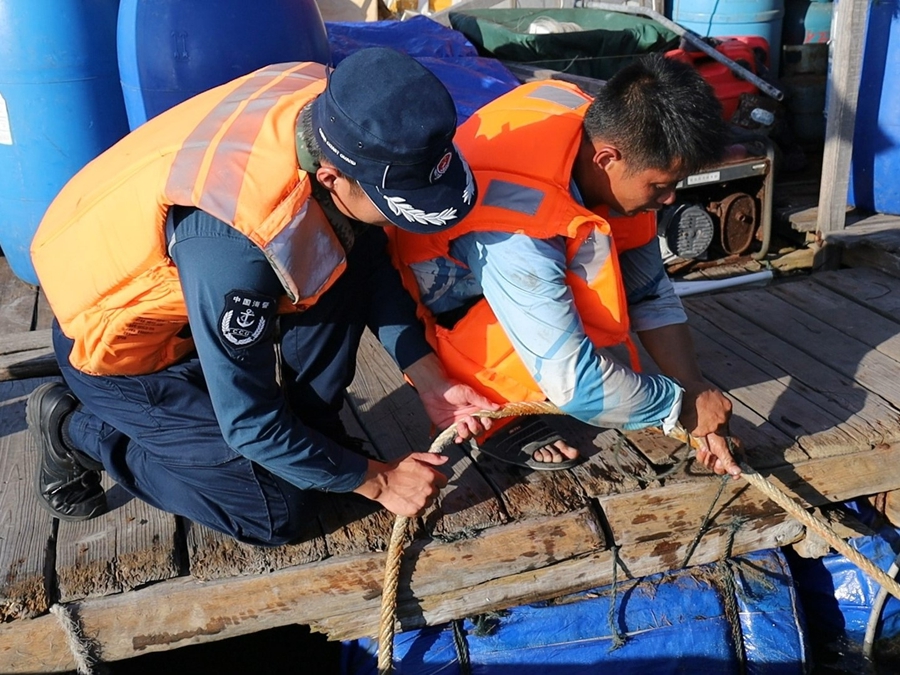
{"x": 228, "y": 151}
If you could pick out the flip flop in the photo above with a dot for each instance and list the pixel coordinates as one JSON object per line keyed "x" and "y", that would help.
{"x": 516, "y": 442}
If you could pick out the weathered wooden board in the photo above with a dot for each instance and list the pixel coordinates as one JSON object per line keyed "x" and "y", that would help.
{"x": 847, "y": 355}
{"x": 682, "y": 507}
{"x": 576, "y": 574}
{"x": 816, "y": 431}
{"x": 845, "y": 394}
{"x": 131, "y": 545}
{"x": 213, "y": 555}
{"x": 17, "y": 302}
{"x": 847, "y": 316}
{"x": 826, "y": 413}
{"x": 612, "y": 465}
{"x": 184, "y": 611}
{"x": 43, "y": 314}
{"x": 27, "y": 354}
{"x": 26, "y": 530}
{"x": 870, "y": 288}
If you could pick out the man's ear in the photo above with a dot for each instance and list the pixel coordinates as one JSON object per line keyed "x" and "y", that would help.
{"x": 327, "y": 175}
{"x": 605, "y": 155}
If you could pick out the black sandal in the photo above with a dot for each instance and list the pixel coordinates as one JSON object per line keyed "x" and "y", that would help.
{"x": 517, "y": 441}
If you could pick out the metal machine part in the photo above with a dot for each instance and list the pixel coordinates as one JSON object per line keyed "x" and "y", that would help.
{"x": 738, "y": 220}
{"x": 738, "y": 197}
{"x": 687, "y": 229}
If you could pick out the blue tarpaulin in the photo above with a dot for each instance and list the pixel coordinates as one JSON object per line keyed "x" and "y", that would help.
{"x": 471, "y": 80}
{"x": 838, "y": 597}
{"x": 672, "y": 623}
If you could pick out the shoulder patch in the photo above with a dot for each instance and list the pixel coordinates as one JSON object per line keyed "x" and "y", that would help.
{"x": 245, "y": 317}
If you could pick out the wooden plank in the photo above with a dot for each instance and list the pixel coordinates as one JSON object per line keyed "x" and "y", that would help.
{"x": 873, "y": 289}
{"x": 880, "y": 230}
{"x": 213, "y": 555}
{"x": 132, "y": 545}
{"x": 17, "y": 301}
{"x": 848, "y": 23}
{"x": 612, "y": 465}
{"x": 185, "y": 611}
{"x": 681, "y": 507}
{"x": 26, "y": 530}
{"x": 865, "y": 256}
{"x": 843, "y": 391}
{"x": 875, "y": 418}
{"x": 845, "y": 315}
{"x": 43, "y": 313}
{"x": 27, "y": 354}
{"x": 827, "y": 416}
{"x": 527, "y": 493}
{"x": 352, "y": 524}
{"x": 568, "y": 576}
{"x": 817, "y": 431}
{"x": 845, "y": 354}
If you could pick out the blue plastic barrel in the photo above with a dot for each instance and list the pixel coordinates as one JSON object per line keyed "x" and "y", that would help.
{"x": 60, "y": 106}
{"x": 876, "y": 141}
{"x": 170, "y": 50}
{"x": 713, "y": 18}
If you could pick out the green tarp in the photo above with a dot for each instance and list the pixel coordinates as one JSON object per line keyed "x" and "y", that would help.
{"x": 607, "y": 41}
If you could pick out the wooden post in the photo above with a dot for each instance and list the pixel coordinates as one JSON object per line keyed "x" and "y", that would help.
{"x": 848, "y": 30}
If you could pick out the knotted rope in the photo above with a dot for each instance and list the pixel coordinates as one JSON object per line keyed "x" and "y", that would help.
{"x": 401, "y": 524}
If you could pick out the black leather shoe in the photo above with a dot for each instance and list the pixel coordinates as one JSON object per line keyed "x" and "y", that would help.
{"x": 65, "y": 486}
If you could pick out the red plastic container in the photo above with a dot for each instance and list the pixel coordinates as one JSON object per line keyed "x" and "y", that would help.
{"x": 727, "y": 85}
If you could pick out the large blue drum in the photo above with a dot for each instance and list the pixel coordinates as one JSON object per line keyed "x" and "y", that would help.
{"x": 876, "y": 142}
{"x": 170, "y": 50}
{"x": 60, "y": 106}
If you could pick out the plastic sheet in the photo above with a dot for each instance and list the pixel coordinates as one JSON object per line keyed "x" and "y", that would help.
{"x": 471, "y": 80}
{"x": 673, "y": 623}
{"x": 838, "y": 597}
{"x": 420, "y": 36}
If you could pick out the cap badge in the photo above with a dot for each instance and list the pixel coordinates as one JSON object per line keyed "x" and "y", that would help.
{"x": 441, "y": 167}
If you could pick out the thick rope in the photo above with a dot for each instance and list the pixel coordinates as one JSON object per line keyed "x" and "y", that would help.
{"x": 729, "y": 597}
{"x": 392, "y": 566}
{"x": 81, "y": 647}
{"x": 387, "y": 618}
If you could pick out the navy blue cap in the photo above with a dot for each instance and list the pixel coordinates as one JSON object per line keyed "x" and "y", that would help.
{"x": 387, "y": 122}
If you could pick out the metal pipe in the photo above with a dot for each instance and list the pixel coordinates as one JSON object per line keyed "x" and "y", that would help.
{"x": 695, "y": 40}
{"x": 768, "y": 188}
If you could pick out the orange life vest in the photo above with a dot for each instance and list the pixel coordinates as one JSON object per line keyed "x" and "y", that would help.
{"x": 522, "y": 148}
{"x": 100, "y": 250}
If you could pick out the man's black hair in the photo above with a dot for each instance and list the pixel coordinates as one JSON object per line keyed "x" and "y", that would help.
{"x": 660, "y": 114}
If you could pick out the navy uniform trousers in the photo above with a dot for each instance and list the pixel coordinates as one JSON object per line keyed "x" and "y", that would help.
{"x": 157, "y": 435}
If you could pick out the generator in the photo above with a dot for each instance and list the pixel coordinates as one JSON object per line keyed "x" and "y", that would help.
{"x": 723, "y": 212}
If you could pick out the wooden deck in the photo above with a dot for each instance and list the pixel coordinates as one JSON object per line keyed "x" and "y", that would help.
{"x": 812, "y": 367}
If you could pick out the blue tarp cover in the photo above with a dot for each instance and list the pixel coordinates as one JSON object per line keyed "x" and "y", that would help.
{"x": 673, "y": 623}
{"x": 471, "y": 80}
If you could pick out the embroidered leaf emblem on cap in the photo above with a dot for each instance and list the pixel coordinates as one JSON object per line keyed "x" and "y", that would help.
{"x": 400, "y": 207}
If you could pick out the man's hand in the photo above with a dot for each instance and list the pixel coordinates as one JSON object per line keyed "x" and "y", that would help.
{"x": 705, "y": 412}
{"x": 407, "y": 486}
{"x": 448, "y": 402}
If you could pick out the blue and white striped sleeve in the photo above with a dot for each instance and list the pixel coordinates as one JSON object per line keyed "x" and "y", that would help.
{"x": 523, "y": 279}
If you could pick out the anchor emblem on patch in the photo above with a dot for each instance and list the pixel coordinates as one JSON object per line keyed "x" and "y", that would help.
{"x": 245, "y": 317}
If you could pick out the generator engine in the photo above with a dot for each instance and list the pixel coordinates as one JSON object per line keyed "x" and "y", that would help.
{"x": 724, "y": 212}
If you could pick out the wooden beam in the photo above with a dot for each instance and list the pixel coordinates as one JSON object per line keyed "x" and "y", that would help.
{"x": 848, "y": 29}
{"x": 184, "y": 611}
{"x": 27, "y": 354}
